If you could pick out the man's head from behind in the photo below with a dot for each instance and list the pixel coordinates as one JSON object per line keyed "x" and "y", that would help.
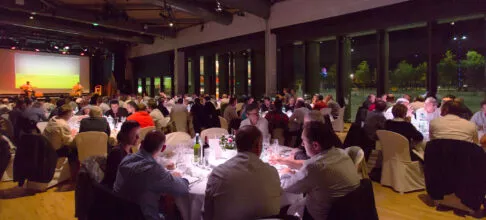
{"x": 317, "y": 137}
{"x": 153, "y": 143}
{"x": 249, "y": 139}
{"x": 453, "y": 107}
{"x": 380, "y": 106}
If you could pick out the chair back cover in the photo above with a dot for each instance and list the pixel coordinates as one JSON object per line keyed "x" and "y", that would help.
{"x": 91, "y": 143}
{"x": 223, "y": 122}
{"x": 180, "y": 119}
{"x": 326, "y": 111}
{"x": 279, "y": 134}
{"x": 213, "y": 132}
{"x": 41, "y": 126}
{"x": 338, "y": 124}
{"x": 176, "y": 138}
{"x": 398, "y": 171}
{"x": 358, "y": 204}
{"x": 356, "y": 154}
{"x": 454, "y": 166}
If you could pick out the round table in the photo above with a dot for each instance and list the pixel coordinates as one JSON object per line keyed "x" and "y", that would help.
{"x": 191, "y": 205}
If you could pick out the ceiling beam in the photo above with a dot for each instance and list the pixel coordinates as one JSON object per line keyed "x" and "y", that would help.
{"x": 260, "y": 8}
{"x": 201, "y": 10}
{"x": 82, "y": 16}
{"x": 162, "y": 21}
{"x": 50, "y": 25}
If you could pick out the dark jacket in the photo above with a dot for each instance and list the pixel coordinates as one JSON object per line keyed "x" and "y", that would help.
{"x": 94, "y": 124}
{"x": 115, "y": 156}
{"x": 453, "y": 166}
{"x": 198, "y": 117}
{"x": 163, "y": 109}
{"x": 122, "y": 112}
{"x": 374, "y": 121}
{"x": 4, "y": 155}
{"x": 211, "y": 116}
{"x": 35, "y": 159}
{"x": 358, "y": 204}
{"x": 408, "y": 131}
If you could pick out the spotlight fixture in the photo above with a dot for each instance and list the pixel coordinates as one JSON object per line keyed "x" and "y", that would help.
{"x": 37, "y": 50}
{"x": 453, "y": 23}
{"x": 13, "y": 48}
{"x": 82, "y": 54}
{"x": 31, "y": 17}
{"x": 455, "y": 38}
{"x": 464, "y": 37}
{"x": 64, "y": 52}
{"x": 66, "y": 47}
{"x": 218, "y": 7}
{"x": 56, "y": 47}
{"x": 95, "y": 24}
{"x": 85, "y": 49}
{"x": 171, "y": 24}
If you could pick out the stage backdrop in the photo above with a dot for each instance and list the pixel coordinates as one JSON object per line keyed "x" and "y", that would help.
{"x": 48, "y": 73}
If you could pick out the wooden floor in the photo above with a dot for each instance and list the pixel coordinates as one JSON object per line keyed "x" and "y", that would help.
{"x": 53, "y": 205}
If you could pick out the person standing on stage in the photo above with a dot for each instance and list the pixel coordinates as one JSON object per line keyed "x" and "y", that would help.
{"x": 27, "y": 89}
{"x": 77, "y": 89}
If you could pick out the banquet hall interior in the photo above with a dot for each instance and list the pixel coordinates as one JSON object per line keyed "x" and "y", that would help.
{"x": 232, "y": 109}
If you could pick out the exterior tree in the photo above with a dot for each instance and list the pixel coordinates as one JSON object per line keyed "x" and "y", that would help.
{"x": 362, "y": 74}
{"x": 473, "y": 68}
{"x": 447, "y": 69}
{"x": 403, "y": 75}
{"x": 421, "y": 74}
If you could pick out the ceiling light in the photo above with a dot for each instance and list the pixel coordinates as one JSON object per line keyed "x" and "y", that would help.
{"x": 64, "y": 52}
{"x": 82, "y": 54}
{"x": 455, "y": 38}
{"x": 171, "y": 24}
{"x": 218, "y": 7}
{"x": 66, "y": 47}
{"x": 31, "y": 17}
{"x": 464, "y": 37}
{"x": 453, "y": 23}
{"x": 85, "y": 49}
{"x": 56, "y": 47}
{"x": 95, "y": 24}
{"x": 37, "y": 50}
{"x": 13, "y": 48}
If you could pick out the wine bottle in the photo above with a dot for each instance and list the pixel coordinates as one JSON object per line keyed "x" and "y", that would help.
{"x": 197, "y": 149}
{"x": 205, "y": 151}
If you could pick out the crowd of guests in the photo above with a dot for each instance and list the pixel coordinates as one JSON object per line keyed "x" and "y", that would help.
{"x": 448, "y": 119}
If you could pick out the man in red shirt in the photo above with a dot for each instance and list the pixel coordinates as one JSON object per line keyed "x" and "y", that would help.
{"x": 320, "y": 104}
{"x": 142, "y": 116}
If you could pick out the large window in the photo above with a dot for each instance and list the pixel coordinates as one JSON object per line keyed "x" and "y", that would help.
{"x": 139, "y": 86}
{"x": 147, "y": 86}
{"x": 201, "y": 75}
{"x": 190, "y": 77}
{"x": 157, "y": 88}
{"x": 217, "y": 75}
{"x": 327, "y": 60}
{"x": 167, "y": 85}
{"x": 249, "y": 71}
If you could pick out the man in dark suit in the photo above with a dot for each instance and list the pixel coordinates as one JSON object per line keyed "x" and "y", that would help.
{"x": 116, "y": 112}
{"x": 95, "y": 122}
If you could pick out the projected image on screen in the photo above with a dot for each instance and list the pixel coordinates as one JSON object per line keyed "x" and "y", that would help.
{"x": 46, "y": 71}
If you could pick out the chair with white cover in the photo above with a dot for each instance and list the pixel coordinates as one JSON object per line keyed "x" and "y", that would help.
{"x": 180, "y": 119}
{"x": 91, "y": 143}
{"x": 398, "y": 170}
{"x": 41, "y": 126}
{"x": 223, "y": 122}
{"x": 357, "y": 155}
{"x": 143, "y": 133}
{"x": 6, "y": 116}
{"x": 175, "y": 138}
{"x": 326, "y": 111}
{"x": 338, "y": 123}
{"x": 279, "y": 134}
{"x": 213, "y": 132}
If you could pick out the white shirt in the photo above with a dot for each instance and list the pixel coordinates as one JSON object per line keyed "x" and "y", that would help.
{"x": 453, "y": 127}
{"x": 479, "y": 118}
{"x": 324, "y": 177}
{"x": 423, "y": 115}
{"x": 262, "y": 125}
{"x": 58, "y": 132}
{"x": 244, "y": 187}
{"x": 159, "y": 120}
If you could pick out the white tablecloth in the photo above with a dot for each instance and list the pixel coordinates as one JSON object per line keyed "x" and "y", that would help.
{"x": 191, "y": 205}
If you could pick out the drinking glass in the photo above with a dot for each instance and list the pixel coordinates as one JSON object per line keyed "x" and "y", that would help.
{"x": 275, "y": 146}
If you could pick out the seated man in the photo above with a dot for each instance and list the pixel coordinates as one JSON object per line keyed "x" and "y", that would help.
{"x": 375, "y": 120}
{"x": 142, "y": 116}
{"x": 95, "y": 122}
{"x": 35, "y": 112}
{"x": 451, "y": 126}
{"x": 116, "y": 112}
{"x": 244, "y": 187}
{"x": 142, "y": 180}
{"x": 255, "y": 119}
{"x": 320, "y": 104}
{"x": 479, "y": 118}
{"x": 429, "y": 112}
{"x": 328, "y": 174}
{"x": 159, "y": 120}
{"x": 276, "y": 118}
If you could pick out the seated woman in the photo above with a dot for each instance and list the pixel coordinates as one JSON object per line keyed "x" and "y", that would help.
{"x": 401, "y": 126}
{"x": 127, "y": 137}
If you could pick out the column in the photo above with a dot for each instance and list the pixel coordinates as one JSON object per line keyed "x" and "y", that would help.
{"x": 343, "y": 69}
{"x": 433, "y": 58}
{"x": 241, "y": 73}
{"x": 223, "y": 73}
{"x": 312, "y": 67}
{"x": 382, "y": 62}
{"x": 258, "y": 74}
{"x": 179, "y": 72}
{"x": 231, "y": 64}
{"x": 209, "y": 75}
{"x": 197, "y": 72}
{"x": 270, "y": 61}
